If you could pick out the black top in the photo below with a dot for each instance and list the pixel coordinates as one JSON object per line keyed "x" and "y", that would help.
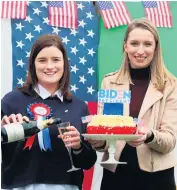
{"x": 140, "y": 79}
{"x": 21, "y": 167}
{"x": 140, "y": 74}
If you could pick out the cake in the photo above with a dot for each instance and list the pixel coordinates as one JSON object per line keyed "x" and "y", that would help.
{"x": 111, "y": 124}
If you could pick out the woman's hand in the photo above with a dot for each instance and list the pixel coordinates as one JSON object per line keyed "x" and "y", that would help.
{"x": 13, "y": 119}
{"x": 71, "y": 138}
{"x": 141, "y": 131}
{"x": 96, "y": 143}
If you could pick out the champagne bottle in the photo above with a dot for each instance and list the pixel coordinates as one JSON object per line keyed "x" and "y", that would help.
{"x": 18, "y": 131}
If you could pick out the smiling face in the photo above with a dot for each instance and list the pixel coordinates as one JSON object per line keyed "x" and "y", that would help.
{"x": 49, "y": 65}
{"x": 140, "y": 47}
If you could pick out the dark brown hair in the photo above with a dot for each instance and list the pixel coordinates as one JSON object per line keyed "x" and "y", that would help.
{"x": 42, "y": 42}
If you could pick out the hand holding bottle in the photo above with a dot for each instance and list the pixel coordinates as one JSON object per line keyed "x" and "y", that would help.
{"x": 16, "y": 131}
{"x": 14, "y": 119}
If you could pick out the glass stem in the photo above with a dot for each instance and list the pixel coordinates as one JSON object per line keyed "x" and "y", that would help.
{"x": 70, "y": 156}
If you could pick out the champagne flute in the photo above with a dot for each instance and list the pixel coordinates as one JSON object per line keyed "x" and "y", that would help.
{"x": 62, "y": 129}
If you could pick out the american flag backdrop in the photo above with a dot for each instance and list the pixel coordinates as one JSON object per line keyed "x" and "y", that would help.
{"x": 13, "y": 9}
{"x": 114, "y": 13}
{"x": 63, "y": 14}
{"x": 158, "y": 12}
{"x": 81, "y": 46}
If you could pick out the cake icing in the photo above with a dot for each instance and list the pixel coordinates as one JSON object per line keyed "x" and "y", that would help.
{"x": 111, "y": 124}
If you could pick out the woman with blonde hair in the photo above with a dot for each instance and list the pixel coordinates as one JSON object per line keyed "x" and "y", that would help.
{"x": 150, "y": 159}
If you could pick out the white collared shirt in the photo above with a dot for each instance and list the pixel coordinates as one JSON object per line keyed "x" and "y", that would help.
{"x": 44, "y": 94}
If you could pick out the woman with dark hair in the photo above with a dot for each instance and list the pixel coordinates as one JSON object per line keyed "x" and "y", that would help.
{"x": 42, "y": 161}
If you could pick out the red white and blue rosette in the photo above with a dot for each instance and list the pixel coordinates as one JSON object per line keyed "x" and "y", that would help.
{"x": 39, "y": 109}
{"x": 35, "y": 110}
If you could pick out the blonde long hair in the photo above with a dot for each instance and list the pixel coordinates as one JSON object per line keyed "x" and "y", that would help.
{"x": 159, "y": 72}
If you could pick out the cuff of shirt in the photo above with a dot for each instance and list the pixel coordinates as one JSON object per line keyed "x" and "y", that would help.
{"x": 101, "y": 148}
{"x": 150, "y": 139}
{"x": 77, "y": 151}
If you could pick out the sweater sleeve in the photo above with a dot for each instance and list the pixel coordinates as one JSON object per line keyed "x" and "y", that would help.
{"x": 86, "y": 158}
{"x": 8, "y": 107}
{"x": 5, "y": 107}
{"x": 11, "y": 102}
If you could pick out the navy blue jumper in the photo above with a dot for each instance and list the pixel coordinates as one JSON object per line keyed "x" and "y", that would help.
{"x": 21, "y": 167}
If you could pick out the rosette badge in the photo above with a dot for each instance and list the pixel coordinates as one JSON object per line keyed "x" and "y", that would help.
{"x": 40, "y": 112}
{"x": 39, "y": 109}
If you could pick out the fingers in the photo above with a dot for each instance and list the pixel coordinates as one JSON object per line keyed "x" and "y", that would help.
{"x": 96, "y": 143}
{"x": 71, "y": 128}
{"x": 142, "y": 130}
{"x": 19, "y": 118}
{"x": 140, "y": 133}
{"x": 137, "y": 142}
{"x": 14, "y": 119}
{"x": 8, "y": 120}
{"x": 5, "y": 120}
{"x": 74, "y": 145}
{"x": 72, "y": 142}
{"x": 142, "y": 139}
{"x": 71, "y": 138}
{"x": 25, "y": 118}
{"x": 60, "y": 136}
{"x": 72, "y": 131}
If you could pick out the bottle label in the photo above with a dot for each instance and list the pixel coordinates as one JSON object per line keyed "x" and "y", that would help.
{"x": 15, "y": 132}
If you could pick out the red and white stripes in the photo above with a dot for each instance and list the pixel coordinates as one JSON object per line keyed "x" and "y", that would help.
{"x": 13, "y": 9}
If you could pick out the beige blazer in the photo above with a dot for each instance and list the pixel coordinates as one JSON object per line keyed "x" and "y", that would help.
{"x": 159, "y": 113}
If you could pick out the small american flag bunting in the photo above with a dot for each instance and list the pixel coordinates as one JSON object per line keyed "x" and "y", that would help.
{"x": 63, "y": 14}
{"x": 159, "y": 13}
{"x": 114, "y": 13}
{"x": 86, "y": 119}
{"x": 13, "y": 9}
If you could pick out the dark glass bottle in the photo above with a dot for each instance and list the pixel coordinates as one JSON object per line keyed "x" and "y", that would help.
{"x": 18, "y": 131}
